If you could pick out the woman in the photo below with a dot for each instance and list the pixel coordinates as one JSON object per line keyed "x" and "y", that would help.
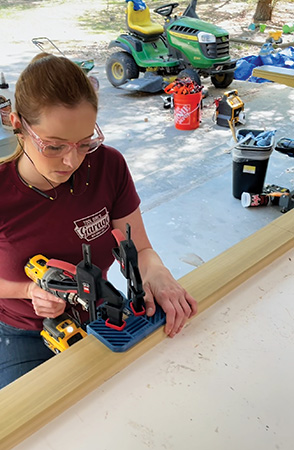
{"x": 62, "y": 187}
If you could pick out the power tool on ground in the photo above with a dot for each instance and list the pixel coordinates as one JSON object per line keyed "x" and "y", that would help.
{"x": 280, "y": 196}
{"x": 229, "y": 109}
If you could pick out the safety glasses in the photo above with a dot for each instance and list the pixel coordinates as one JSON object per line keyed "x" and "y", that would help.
{"x": 57, "y": 149}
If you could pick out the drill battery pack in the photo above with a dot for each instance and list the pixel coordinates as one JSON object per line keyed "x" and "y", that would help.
{"x": 276, "y": 191}
{"x": 229, "y": 109}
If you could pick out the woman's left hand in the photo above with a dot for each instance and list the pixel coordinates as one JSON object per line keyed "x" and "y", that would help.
{"x": 175, "y": 301}
{"x": 158, "y": 283}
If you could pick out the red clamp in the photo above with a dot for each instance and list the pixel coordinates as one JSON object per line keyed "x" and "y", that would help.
{"x": 115, "y": 327}
{"x": 137, "y": 313}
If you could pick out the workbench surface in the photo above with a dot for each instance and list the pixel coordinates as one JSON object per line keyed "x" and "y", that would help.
{"x": 225, "y": 383}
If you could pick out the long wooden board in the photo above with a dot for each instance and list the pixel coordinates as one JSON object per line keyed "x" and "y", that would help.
{"x": 45, "y": 392}
{"x": 280, "y": 75}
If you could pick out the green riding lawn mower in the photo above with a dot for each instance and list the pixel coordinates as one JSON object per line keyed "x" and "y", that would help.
{"x": 184, "y": 47}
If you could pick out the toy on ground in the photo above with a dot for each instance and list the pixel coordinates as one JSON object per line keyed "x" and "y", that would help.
{"x": 184, "y": 46}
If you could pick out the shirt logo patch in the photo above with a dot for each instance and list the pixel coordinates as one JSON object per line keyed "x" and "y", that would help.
{"x": 93, "y": 226}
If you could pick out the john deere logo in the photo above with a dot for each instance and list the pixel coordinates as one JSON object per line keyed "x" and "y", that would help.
{"x": 224, "y": 38}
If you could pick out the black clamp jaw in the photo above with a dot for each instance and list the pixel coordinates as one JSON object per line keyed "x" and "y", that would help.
{"x": 91, "y": 286}
{"x": 127, "y": 256}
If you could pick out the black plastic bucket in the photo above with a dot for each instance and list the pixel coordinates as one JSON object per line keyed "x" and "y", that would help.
{"x": 248, "y": 176}
{"x": 249, "y": 165}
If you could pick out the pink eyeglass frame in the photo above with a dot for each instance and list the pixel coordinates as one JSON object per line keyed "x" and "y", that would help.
{"x": 41, "y": 145}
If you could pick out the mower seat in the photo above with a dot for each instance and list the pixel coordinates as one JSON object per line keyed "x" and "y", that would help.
{"x": 139, "y": 22}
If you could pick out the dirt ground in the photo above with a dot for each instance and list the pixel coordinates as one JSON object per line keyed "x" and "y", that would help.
{"x": 84, "y": 29}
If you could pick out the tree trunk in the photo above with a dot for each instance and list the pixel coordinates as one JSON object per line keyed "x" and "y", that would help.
{"x": 263, "y": 10}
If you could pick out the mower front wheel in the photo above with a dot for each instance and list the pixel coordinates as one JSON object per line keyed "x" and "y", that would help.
{"x": 120, "y": 67}
{"x": 190, "y": 73}
{"x": 222, "y": 80}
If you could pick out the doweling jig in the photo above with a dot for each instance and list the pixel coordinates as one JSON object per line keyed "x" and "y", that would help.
{"x": 118, "y": 321}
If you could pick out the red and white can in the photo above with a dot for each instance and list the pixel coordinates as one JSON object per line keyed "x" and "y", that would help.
{"x": 248, "y": 199}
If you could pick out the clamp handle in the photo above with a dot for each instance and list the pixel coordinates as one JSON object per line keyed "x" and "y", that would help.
{"x": 127, "y": 256}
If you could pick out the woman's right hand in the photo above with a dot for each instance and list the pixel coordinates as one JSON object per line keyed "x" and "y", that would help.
{"x": 44, "y": 303}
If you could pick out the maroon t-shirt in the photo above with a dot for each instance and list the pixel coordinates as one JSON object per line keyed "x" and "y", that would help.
{"x": 31, "y": 224}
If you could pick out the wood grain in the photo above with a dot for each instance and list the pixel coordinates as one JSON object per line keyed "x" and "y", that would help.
{"x": 280, "y": 75}
{"x": 42, "y": 394}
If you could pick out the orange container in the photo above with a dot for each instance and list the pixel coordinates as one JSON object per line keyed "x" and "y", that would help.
{"x": 187, "y": 111}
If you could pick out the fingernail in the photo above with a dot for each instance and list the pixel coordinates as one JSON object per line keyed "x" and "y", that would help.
{"x": 149, "y": 311}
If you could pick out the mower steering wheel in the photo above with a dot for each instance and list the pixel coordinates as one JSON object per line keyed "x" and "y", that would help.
{"x": 166, "y": 10}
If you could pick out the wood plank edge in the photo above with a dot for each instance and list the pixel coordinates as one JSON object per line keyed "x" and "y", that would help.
{"x": 22, "y": 428}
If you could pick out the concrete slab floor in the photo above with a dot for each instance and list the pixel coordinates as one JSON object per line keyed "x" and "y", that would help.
{"x": 184, "y": 178}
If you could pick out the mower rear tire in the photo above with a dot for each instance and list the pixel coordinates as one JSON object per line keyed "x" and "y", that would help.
{"x": 120, "y": 67}
{"x": 222, "y": 80}
{"x": 190, "y": 73}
